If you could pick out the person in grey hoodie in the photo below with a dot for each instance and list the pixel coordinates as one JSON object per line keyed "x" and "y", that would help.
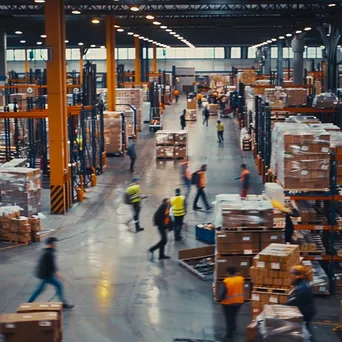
{"x": 131, "y": 152}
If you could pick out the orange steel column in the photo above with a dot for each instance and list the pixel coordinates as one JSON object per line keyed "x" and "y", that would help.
{"x": 154, "y": 58}
{"x": 81, "y": 66}
{"x": 137, "y": 64}
{"x": 111, "y": 67}
{"x": 57, "y": 112}
{"x": 26, "y": 64}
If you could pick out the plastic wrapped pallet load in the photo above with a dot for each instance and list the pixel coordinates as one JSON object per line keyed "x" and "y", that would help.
{"x": 113, "y": 132}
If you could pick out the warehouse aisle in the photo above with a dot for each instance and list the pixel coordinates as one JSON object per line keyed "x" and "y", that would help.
{"x": 120, "y": 296}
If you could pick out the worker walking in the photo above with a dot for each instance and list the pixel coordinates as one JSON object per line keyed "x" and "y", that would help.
{"x": 161, "y": 220}
{"x": 199, "y": 178}
{"x": 182, "y": 119}
{"x": 206, "y": 115}
{"x": 301, "y": 296}
{"x": 244, "y": 179}
{"x": 231, "y": 298}
{"x": 47, "y": 272}
{"x": 199, "y": 100}
{"x": 134, "y": 199}
{"x": 131, "y": 152}
{"x": 220, "y": 131}
{"x": 178, "y": 205}
{"x": 186, "y": 176}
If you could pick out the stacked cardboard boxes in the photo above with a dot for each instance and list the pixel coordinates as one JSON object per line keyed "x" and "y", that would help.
{"x": 34, "y": 222}
{"x": 213, "y": 109}
{"x": 113, "y": 132}
{"x": 270, "y": 275}
{"x": 191, "y": 103}
{"x": 191, "y": 115}
{"x": 171, "y": 144}
{"x": 134, "y": 97}
{"x": 248, "y": 77}
{"x": 296, "y": 96}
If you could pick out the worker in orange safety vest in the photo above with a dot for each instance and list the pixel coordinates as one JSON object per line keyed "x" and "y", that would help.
{"x": 231, "y": 298}
{"x": 244, "y": 179}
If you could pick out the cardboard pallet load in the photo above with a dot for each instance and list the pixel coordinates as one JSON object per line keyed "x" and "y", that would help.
{"x": 296, "y": 96}
{"x": 191, "y": 115}
{"x": 113, "y": 132}
{"x": 171, "y": 144}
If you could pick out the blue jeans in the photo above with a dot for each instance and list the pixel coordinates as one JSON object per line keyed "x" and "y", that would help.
{"x": 187, "y": 184}
{"x": 40, "y": 289}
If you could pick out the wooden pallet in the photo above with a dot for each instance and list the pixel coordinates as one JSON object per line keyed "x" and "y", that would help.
{"x": 170, "y": 158}
{"x": 313, "y": 253}
{"x": 270, "y": 290}
{"x": 252, "y": 229}
{"x": 314, "y": 222}
{"x": 17, "y": 243}
{"x": 238, "y": 253}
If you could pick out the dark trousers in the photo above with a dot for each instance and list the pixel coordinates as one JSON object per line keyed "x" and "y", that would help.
{"x": 183, "y": 125}
{"x": 309, "y": 329}
{"x": 162, "y": 243}
{"x": 176, "y": 97}
{"x": 201, "y": 193}
{"x": 220, "y": 136}
{"x": 199, "y": 102}
{"x": 178, "y": 224}
{"x": 41, "y": 287}
{"x": 136, "y": 213}
{"x": 205, "y": 121}
{"x": 230, "y": 313}
{"x": 132, "y": 164}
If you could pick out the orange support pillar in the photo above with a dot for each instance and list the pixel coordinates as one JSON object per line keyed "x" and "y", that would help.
{"x": 26, "y": 64}
{"x": 137, "y": 64}
{"x": 81, "y": 65}
{"x": 56, "y": 79}
{"x": 111, "y": 65}
{"x": 154, "y": 58}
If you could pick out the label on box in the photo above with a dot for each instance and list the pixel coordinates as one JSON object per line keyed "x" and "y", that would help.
{"x": 221, "y": 235}
{"x": 325, "y": 149}
{"x": 246, "y": 238}
{"x": 10, "y": 325}
{"x": 55, "y": 306}
{"x": 27, "y": 316}
{"x": 43, "y": 306}
{"x": 260, "y": 264}
{"x": 304, "y": 173}
{"x": 325, "y": 167}
{"x": 53, "y": 314}
{"x": 24, "y": 306}
{"x": 244, "y": 264}
{"x": 322, "y": 289}
{"x": 45, "y": 323}
{"x": 319, "y": 227}
{"x": 305, "y": 148}
{"x": 248, "y": 251}
{"x": 274, "y": 237}
{"x": 275, "y": 265}
{"x": 273, "y": 299}
{"x": 223, "y": 260}
{"x": 255, "y": 297}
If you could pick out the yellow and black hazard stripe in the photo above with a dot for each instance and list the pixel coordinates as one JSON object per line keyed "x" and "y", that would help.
{"x": 58, "y": 199}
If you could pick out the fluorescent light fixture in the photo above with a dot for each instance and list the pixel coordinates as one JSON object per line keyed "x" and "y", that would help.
{"x": 150, "y": 40}
{"x": 281, "y": 37}
{"x": 23, "y": 41}
{"x": 120, "y": 30}
{"x": 332, "y": 5}
{"x": 39, "y": 43}
{"x": 117, "y": 26}
{"x": 92, "y": 45}
{"x": 177, "y": 35}
{"x": 274, "y": 40}
{"x": 339, "y": 46}
{"x": 173, "y": 33}
{"x": 134, "y": 8}
{"x": 298, "y": 31}
{"x": 18, "y": 32}
{"x": 307, "y": 28}
{"x": 168, "y": 30}
{"x": 136, "y": 35}
{"x": 163, "y": 27}
{"x": 102, "y": 47}
{"x": 289, "y": 35}
{"x": 130, "y": 33}
{"x": 149, "y": 17}
{"x": 95, "y": 21}
{"x": 269, "y": 41}
{"x": 156, "y": 23}
{"x": 141, "y": 37}
{"x": 43, "y": 36}
{"x": 66, "y": 41}
{"x": 80, "y": 44}
{"x": 180, "y": 37}
{"x": 76, "y": 12}
{"x": 322, "y": 47}
{"x": 39, "y": 1}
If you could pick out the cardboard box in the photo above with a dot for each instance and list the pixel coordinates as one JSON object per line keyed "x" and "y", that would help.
{"x": 242, "y": 263}
{"x": 266, "y": 238}
{"x": 252, "y": 332}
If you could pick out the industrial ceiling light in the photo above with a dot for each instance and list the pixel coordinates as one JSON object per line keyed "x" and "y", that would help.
{"x": 66, "y": 41}
{"x": 177, "y": 35}
{"x": 136, "y": 35}
{"x": 307, "y": 28}
{"x": 130, "y": 33}
{"x": 18, "y": 32}
{"x": 92, "y": 45}
{"x": 145, "y": 39}
{"x": 281, "y": 37}
{"x": 39, "y": 43}
{"x": 173, "y": 33}
{"x": 134, "y": 8}
{"x": 168, "y": 30}
{"x": 156, "y": 23}
{"x": 141, "y": 37}
{"x": 117, "y": 26}
{"x": 150, "y": 40}
{"x": 23, "y": 41}
{"x": 269, "y": 41}
{"x": 339, "y": 46}
{"x": 332, "y": 5}
{"x": 80, "y": 44}
{"x": 274, "y": 40}
{"x": 163, "y": 27}
{"x": 298, "y": 31}
{"x": 149, "y": 17}
{"x": 43, "y": 36}
{"x": 289, "y": 35}
{"x": 39, "y": 1}
{"x": 180, "y": 37}
{"x": 76, "y": 12}
{"x": 322, "y": 47}
{"x": 102, "y": 47}
{"x": 95, "y": 21}
{"x": 120, "y": 30}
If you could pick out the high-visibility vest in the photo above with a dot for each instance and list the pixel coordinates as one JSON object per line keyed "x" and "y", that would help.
{"x": 199, "y": 97}
{"x": 220, "y": 127}
{"x": 167, "y": 217}
{"x": 202, "y": 179}
{"x": 243, "y": 174}
{"x": 134, "y": 192}
{"x": 178, "y": 205}
{"x": 235, "y": 290}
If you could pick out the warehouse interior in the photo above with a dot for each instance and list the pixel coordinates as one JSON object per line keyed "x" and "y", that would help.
{"x": 82, "y": 81}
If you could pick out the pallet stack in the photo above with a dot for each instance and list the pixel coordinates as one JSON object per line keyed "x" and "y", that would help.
{"x": 171, "y": 144}
{"x": 113, "y": 133}
{"x": 191, "y": 115}
{"x": 270, "y": 275}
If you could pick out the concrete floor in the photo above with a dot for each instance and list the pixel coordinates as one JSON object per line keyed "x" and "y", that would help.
{"x": 119, "y": 295}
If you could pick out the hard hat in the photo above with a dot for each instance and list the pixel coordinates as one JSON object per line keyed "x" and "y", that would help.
{"x": 299, "y": 271}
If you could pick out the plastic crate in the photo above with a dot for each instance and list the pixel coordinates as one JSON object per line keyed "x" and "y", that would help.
{"x": 205, "y": 235}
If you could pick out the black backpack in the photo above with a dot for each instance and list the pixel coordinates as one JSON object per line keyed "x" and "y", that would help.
{"x": 195, "y": 178}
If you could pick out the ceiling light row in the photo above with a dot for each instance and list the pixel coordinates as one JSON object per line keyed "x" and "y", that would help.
{"x": 146, "y": 39}
{"x": 270, "y": 41}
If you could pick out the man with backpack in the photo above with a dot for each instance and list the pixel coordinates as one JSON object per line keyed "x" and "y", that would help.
{"x": 48, "y": 273}
{"x": 133, "y": 197}
{"x": 206, "y": 115}
{"x": 199, "y": 178}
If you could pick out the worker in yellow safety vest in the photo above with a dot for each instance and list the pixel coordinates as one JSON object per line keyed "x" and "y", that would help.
{"x": 220, "y": 131}
{"x": 134, "y": 197}
{"x": 178, "y": 205}
{"x": 231, "y": 298}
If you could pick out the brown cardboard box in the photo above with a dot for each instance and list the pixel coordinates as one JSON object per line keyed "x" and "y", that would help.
{"x": 252, "y": 332}
{"x": 245, "y": 243}
{"x": 270, "y": 237}
{"x": 29, "y": 327}
{"x": 242, "y": 263}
